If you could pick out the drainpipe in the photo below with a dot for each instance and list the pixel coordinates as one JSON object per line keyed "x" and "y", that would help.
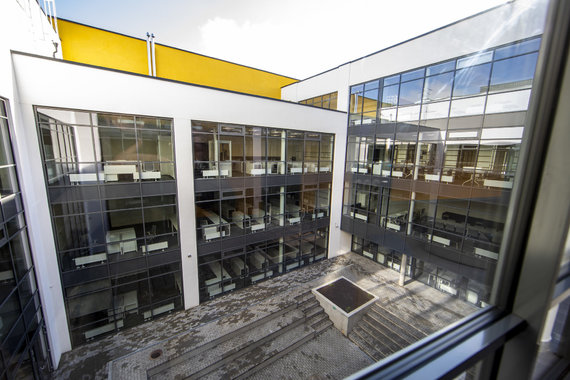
{"x": 148, "y": 53}
{"x": 153, "y": 55}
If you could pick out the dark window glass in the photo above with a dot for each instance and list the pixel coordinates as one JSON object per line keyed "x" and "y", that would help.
{"x": 5, "y": 149}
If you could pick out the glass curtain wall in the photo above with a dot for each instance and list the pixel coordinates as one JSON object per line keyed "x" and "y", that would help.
{"x": 267, "y": 219}
{"x": 431, "y": 158}
{"x": 22, "y": 330}
{"x": 112, "y": 193}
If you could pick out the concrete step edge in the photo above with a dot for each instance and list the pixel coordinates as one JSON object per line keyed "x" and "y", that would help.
{"x": 400, "y": 335}
{"x": 316, "y": 318}
{"x": 407, "y": 335}
{"x": 377, "y": 305}
{"x": 386, "y": 343}
{"x": 276, "y": 356}
{"x": 363, "y": 345}
{"x": 153, "y": 371}
{"x": 314, "y": 310}
{"x": 321, "y": 327}
{"x": 308, "y": 304}
{"x": 244, "y": 349}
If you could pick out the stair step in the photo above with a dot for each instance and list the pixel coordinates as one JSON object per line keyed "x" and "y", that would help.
{"x": 303, "y": 297}
{"x": 316, "y": 318}
{"x": 380, "y": 339}
{"x": 381, "y": 350}
{"x": 308, "y": 304}
{"x": 229, "y": 349}
{"x": 322, "y": 325}
{"x": 395, "y": 336}
{"x": 364, "y": 346}
{"x": 414, "y": 329}
{"x": 263, "y": 355}
{"x": 404, "y": 331}
{"x": 184, "y": 357}
{"x": 314, "y": 310}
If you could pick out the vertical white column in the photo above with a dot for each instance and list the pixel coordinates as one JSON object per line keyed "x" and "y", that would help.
{"x": 153, "y": 50}
{"x": 339, "y": 241}
{"x": 148, "y": 56}
{"x": 187, "y": 221}
{"x": 40, "y": 231}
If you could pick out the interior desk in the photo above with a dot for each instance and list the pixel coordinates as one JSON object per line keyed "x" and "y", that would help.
{"x": 115, "y": 240}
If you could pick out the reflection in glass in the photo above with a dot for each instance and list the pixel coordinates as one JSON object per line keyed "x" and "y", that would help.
{"x": 475, "y": 59}
{"x": 435, "y": 110}
{"x": 513, "y": 73}
{"x": 440, "y": 68}
{"x": 390, "y": 96}
{"x": 516, "y": 49}
{"x": 438, "y": 87}
{"x": 410, "y": 92}
{"x": 412, "y": 75}
{"x": 468, "y": 106}
{"x": 472, "y": 80}
{"x": 508, "y": 102}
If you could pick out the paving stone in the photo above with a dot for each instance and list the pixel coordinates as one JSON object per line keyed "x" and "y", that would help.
{"x": 187, "y": 365}
{"x": 244, "y": 365}
{"x": 328, "y": 356}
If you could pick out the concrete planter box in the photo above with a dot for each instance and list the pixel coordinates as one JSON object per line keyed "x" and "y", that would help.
{"x": 344, "y": 302}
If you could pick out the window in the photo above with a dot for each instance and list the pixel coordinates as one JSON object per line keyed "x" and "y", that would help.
{"x": 113, "y": 201}
{"x": 327, "y": 101}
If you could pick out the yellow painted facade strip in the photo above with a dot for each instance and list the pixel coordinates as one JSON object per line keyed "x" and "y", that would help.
{"x": 84, "y": 44}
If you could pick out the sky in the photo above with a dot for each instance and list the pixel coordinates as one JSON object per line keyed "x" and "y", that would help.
{"x": 296, "y": 38}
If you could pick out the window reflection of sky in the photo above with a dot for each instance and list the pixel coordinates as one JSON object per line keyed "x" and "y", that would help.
{"x": 411, "y": 92}
{"x": 441, "y": 68}
{"x": 413, "y": 75}
{"x": 472, "y": 80}
{"x": 438, "y": 87}
{"x": 520, "y": 48}
{"x": 514, "y": 70}
{"x": 390, "y": 96}
{"x": 392, "y": 80}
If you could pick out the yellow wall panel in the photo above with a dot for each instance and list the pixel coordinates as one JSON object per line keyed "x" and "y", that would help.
{"x": 85, "y": 44}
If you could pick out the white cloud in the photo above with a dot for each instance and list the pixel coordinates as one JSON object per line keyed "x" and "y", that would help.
{"x": 300, "y": 38}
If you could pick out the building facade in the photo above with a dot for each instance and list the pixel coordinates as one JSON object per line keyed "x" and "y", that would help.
{"x": 435, "y": 126}
{"x": 145, "y": 194}
{"x": 158, "y": 206}
{"x": 431, "y": 159}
